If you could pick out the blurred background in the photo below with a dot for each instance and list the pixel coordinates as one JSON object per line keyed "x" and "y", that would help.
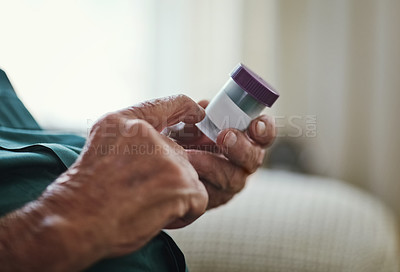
{"x": 336, "y": 65}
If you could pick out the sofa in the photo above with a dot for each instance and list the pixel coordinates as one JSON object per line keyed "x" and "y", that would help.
{"x": 284, "y": 221}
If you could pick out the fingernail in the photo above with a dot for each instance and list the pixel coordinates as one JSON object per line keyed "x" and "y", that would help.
{"x": 230, "y": 139}
{"x": 260, "y": 128}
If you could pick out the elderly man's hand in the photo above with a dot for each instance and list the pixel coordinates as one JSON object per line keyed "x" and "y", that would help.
{"x": 130, "y": 181}
{"x": 224, "y": 167}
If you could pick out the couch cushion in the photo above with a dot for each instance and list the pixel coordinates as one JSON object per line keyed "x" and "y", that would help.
{"x": 291, "y": 222}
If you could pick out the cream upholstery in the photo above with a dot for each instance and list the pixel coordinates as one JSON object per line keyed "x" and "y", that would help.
{"x": 290, "y": 222}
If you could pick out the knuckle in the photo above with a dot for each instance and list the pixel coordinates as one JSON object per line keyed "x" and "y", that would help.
{"x": 140, "y": 130}
{"x": 252, "y": 160}
{"x": 184, "y": 100}
{"x": 114, "y": 125}
{"x": 141, "y": 111}
{"x": 140, "y": 125}
{"x": 182, "y": 97}
{"x": 228, "y": 177}
{"x": 238, "y": 181}
{"x": 106, "y": 123}
{"x": 233, "y": 178}
{"x": 267, "y": 138}
{"x": 180, "y": 207}
{"x": 177, "y": 172}
{"x": 109, "y": 118}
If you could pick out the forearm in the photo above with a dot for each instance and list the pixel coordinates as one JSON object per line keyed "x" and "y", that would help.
{"x": 37, "y": 237}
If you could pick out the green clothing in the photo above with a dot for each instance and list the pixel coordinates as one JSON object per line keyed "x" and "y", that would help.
{"x": 31, "y": 158}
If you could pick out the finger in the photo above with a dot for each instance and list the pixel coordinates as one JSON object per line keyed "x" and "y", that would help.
{"x": 166, "y": 111}
{"x": 262, "y": 130}
{"x": 240, "y": 149}
{"x": 216, "y": 196}
{"x": 218, "y": 171}
{"x": 190, "y": 137}
{"x": 197, "y": 204}
{"x": 184, "y": 133}
{"x": 204, "y": 103}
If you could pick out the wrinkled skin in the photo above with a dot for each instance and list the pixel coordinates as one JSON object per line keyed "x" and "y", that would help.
{"x": 138, "y": 179}
{"x": 129, "y": 182}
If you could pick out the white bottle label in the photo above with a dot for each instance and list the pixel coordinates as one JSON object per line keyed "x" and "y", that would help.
{"x": 224, "y": 113}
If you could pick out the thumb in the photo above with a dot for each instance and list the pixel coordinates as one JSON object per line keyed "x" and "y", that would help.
{"x": 166, "y": 111}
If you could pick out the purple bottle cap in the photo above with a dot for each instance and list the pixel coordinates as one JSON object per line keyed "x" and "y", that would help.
{"x": 254, "y": 85}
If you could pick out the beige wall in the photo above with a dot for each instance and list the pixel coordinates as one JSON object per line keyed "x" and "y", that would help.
{"x": 340, "y": 61}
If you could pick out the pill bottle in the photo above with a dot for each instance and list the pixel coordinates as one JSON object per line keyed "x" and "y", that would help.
{"x": 240, "y": 100}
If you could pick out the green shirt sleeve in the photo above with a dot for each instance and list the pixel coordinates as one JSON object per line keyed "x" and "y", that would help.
{"x": 12, "y": 112}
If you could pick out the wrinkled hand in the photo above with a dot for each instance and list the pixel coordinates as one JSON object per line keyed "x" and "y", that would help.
{"x": 131, "y": 181}
{"x": 224, "y": 167}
